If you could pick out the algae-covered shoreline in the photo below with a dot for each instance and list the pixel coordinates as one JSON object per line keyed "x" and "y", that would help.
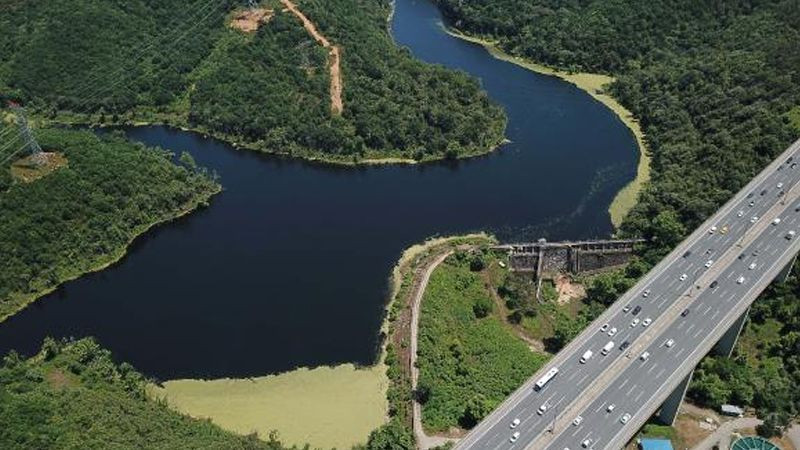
{"x": 594, "y": 85}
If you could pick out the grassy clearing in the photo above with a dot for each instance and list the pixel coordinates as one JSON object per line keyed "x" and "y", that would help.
{"x": 756, "y": 336}
{"x": 469, "y": 359}
{"x": 594, "y": 84}
{"x": 794, "y": 117}
{"x": 27, "y": 170}
{"x": 325, "y": 407}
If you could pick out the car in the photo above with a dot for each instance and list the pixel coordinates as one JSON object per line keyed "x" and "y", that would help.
{"x": 644, "y": 356}
{"x": 709, "y": 263}
{"x": 647, "y": 322}
{"x": 514, "y": 437}
{"x": 763, "y": 192}
{"x": 776, "y": 221}
{"x": 625, "y": 418}
{"x": 635, "y": 322}
{"x": 752, "y": 266}
{"x": 683, "y": 277}
{"x": 626, "y": 308}
{"x": 797, "y": 209}
{"x": 740, "y": 280}
{"x": 751, "y": 203}
{"x": 714, "y": 284}
{"x": 587, "y": 355}
{"x": 636, "y": 310}
{"x": 612, "y": 332}
{"x": 586, "y": 443}
{"x": 724, "y": 230}
{"x": 577, "y": 421}
{"x": 646, "y": 293}
{"x": 781, "y": 192}
{"x": 789, "y": 159}
{"x": 687, "y": 254}
{"x": 740, "y": 213}
{"x": 669, "y": 343}
{"x": 708, "y": 252}
{"x": 712, "y": 229}
{"x": 754, "y": 219}
{"x": 780, "y": 185}
{"x": 514, "y": 423}
{"x": 542, "y": 409}
{"x": 604, "y": 328}
{"x": 611, "y": 407}
{"x": 750, "y": 195}
{"x": 742, "y": 256}
{"x": 625, "y": 345}
{"x": 790, "y": 235}
{"x": 755, "y": 252}
{"x": 685, "y": 313}
{"x": 793, "y": 165}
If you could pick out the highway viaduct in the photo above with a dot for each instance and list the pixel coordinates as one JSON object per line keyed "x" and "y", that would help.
{"x": 694, "y": 301}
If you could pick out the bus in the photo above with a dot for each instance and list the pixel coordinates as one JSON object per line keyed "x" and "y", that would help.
{"x": 546, "y": 378}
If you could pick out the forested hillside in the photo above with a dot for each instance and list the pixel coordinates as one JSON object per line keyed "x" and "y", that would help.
{"x": 716, "y": 87}
{"x": 82, "y": 216}
{"x": 179, "y": 62}
{"x": 73, "y": 396}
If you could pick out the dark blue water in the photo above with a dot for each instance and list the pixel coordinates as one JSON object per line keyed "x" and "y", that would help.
{"x": 288, "y": 266}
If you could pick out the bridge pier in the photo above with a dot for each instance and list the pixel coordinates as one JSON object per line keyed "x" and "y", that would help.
{"x": 725, "y": 345}
{"x": 669, "y": 409}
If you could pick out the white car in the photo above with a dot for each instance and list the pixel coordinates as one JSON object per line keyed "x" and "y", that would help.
{"x": 752, "y": 266}
{"x": 646, "y": 293}
{"x": 780, "y": 185}
{"x": 684, "y": 277}
{"x": 669, "y": 343}
{"x": 625, "y": 418}
{"x": 790, "y": 235}
{"x": 612, "y": 332}
{"x": 542, "y": 409}
{"x": 514, "y": 437}
{"x": 740, "y": 214}
{"x": 514, "y": 423}
{"x": 709, "y": 263}
{"x": 754, "y": 219}
{"x": 586, "y": 443}
{"x": 635, "y": 322}
{"x": 626, "y": 308}
{"x": 611, "y": 407}
{"x": 604, "y": 328}
{"x": 776, "y": 221}
{"x": 577, "y": 421}
{"x": 647, "y": 322}
{"x": 712, "y": 230}
{"x": 740, "y": 280}
{"x": 644, "y": 356}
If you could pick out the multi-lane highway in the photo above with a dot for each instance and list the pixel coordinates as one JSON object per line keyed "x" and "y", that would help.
{"x": 738, "y": 251}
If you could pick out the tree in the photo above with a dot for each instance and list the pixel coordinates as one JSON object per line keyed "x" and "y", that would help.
{"x": 477, "y": 408}
{"x": 482, "y": 307}
{"x": 391, "y": 436}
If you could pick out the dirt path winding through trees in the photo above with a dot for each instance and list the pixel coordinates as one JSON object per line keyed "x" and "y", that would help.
{"x": 334, "y": 56}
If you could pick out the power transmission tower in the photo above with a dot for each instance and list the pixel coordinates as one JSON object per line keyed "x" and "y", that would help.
{"x": 252, "y": 4}
{"x": 29, "y": 142}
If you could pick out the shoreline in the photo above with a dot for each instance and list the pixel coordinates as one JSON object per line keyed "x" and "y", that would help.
{"x": 233, "y": 402}
{"x": 114, "y": 257}
{"x": 592, "y": 84}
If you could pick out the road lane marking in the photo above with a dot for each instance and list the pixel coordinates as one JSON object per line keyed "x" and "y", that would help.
{"x": 652, "y": 367}
{"x": 639, "y": 396}
{"x": 630, "y": 390}
{"x": 677, "y": 355}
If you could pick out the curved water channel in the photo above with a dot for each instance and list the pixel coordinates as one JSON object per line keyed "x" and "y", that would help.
{"x": 288, "y": 266}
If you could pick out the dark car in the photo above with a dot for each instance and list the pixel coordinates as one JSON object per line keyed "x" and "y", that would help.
{"x": 636, "y": 310}
{"x": 624, "y": 345}
{"x": 750, "y": 195}
{"x": 763, "y": 192}
{"x": 685, "y": 313}
{"x": 714, "y": 284}
{"x": 686, "y": 255}
{"x": 742, "y": 256}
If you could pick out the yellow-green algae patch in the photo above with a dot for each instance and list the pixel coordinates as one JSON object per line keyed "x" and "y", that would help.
{"x": 325, "y": 407}
{"x": 593, "y": 84}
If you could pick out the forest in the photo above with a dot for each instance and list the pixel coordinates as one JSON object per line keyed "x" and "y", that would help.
{"x": 104, "y": 62}
{"x": 716, "y": 87}
{"x": 83, "y": 216}
{"x": 74, "y": 396}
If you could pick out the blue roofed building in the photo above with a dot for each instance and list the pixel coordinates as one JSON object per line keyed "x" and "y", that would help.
{"x": 655, "y": 444}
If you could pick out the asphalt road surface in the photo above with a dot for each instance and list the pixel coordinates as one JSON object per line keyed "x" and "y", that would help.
{"x": 744, "y": 229}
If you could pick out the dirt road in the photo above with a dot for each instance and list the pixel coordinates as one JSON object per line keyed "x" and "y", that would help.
{"x": 334, "y": 57}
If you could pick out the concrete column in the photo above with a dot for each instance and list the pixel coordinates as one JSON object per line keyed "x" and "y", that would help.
{"x": 669, "y": 410}
{"x": 786, "y": 271}
{"x": 725, "y": 345}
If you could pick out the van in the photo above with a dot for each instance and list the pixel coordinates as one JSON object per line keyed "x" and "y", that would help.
{"x": 607, "y": 348}
{"x": 586, "y": 356}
